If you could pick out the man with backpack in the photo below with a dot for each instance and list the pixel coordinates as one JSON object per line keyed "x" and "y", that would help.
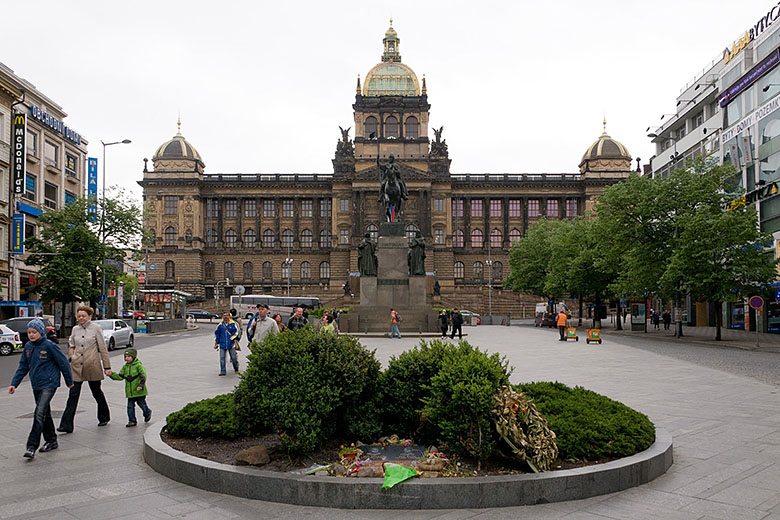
{"x": 395, "y": 318}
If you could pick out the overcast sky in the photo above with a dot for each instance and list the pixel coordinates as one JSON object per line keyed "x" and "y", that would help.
{"x": 262, "y": 87}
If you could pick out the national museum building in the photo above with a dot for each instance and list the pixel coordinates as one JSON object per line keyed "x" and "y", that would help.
{"x": 211, "y": 228}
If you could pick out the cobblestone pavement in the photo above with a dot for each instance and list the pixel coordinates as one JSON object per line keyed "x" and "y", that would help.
{"x": 719, "y": 404}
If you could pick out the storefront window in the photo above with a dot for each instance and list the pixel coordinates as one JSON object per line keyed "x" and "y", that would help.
{"x": 737, "y": 317}
{"x": 768, "y": 168}
{"x": 773, "y": 316}
{"x": 733, "y": 112}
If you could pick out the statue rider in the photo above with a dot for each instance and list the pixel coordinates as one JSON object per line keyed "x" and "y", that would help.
{"x": 392, "y": 189}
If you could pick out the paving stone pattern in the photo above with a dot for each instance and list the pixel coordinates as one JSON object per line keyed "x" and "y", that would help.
{"x": 725, "y": 421}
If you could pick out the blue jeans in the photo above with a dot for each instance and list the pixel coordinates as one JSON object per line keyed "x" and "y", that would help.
{"x": 141, "y": 401}
{"x": 394, "y": 330}
{"x": 42, "y": 421}
{"x": 233, "y": 359}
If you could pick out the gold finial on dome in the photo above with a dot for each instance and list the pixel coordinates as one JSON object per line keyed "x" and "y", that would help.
{"x": 391, "y": 21}
{"x": 605, "y": 125}
{"x": 424, "y": 88}
{"x": 358, "y": 85}
{"x": 178, "y": 124}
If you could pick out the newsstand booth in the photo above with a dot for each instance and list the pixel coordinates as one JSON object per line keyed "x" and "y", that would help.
{"x": 17, "y": 309}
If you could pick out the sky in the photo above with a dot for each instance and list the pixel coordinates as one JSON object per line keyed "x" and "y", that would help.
{"x": 262, "y": 87}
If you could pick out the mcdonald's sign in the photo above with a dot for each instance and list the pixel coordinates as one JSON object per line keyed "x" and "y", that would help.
{"x": 19, "y": 153}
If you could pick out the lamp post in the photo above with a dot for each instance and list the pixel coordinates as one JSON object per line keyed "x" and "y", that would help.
{"x": 102, "y": 221}
{"x": 226, "y": 281}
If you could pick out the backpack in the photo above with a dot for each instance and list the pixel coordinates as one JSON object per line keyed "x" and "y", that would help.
{"x": 397, "y": 317}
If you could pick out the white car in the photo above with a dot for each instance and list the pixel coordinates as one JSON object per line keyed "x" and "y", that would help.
{"x": 9, "y": 341}
{"x": 470, "y": 318}
{"x": 116, "y": 332}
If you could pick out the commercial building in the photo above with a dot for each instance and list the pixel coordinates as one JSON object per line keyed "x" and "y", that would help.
{"x": 274, "y": 233}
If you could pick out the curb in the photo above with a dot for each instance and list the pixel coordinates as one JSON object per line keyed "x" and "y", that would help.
{"x": 440, "y": 493}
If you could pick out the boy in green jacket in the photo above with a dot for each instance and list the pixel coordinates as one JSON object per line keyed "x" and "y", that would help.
{"x": 134, "y": 374}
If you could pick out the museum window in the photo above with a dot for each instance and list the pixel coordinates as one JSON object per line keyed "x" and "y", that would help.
{"x": 438, "y": 236}
{"x": 51, "y": 154}
{"x": 288, "y": 208}
{"x": 231, "y": 208}
{"x": 269, "y": 208}
{"x": 169, "y": 236}
{"x": 552, "y": 208}
{"x": 287, "y": 238}
{"x": 248, "y": 270}
{"x": 457, "y": 207}
{"x": 249, "y": 238}
{"x": 391, "y": 127}
{"x": 457, "y": 238}
{"x": 411, "y": 127}
{"x": 212, "y": 208}
{"x": 268, "y": 271}
{"x": 325, "y": 238}
{"x": 495, "y": 207}
{"x": 268, "y": 238}
{"x": 50, "y": 195}
{"x": 495, "y": 239}
{"x": 438, "y": 204}
{"x": 476, "y": 207}
{"x": 169, "y": 204}
{"x": 373, "y": 231}
{"x": 306, "y": 238}
{"x": 324, "y": 271}
{"x": 344, "y": 236}
{"x": 533, "y": 207}
{"x": 411, "y": 231}
{"x": 459, "y": 271}
{"x": 30, "y": 187}
{"x": 228, "y": 271}
{"x": 250, "y": 208}
{"x": 71, "y": 164}
{"x": 344, "y": 205}
{"x": 231, "y": 237}
{"x": 32, "y": 143}
{"x": 477, "y": 271}
{"x": 325, "y": 208}
{"x": 211, "y": 238}
{"x": 371, "y": 127}
{"x": 208, "y": 271}
{"x": 515, "y": 208}
{"x": 498, "y": 271}
{"x": 170, "y": 270}
{"x": 306, "y": 208}
{"x": 285, "y": 270}
{"x": 476, "y": 239}
{"x": 515, "y": 236}
{"x": 571, "y": 207}
{"x": 305, "y": 271}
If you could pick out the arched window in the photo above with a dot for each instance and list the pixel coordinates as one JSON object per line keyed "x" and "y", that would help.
{"x": 515, "y": 236}
{"x": 249, "y": 238}
{"x": 411, "y": 127}
{"x": 498, "y": 271}
{"x": 324, "y": 271}
{"x": 208, "y": 271}
{"x": 231, "y": 237}
{"x": 325, "y": 238}
{"x": 229, "y": 270}
{"x": 268, "y": 271}
{"x": 371, "y": 127}
{"x": 460, "y": 271}
{"x": 476, "y": 239}
{"x": 306, "y": 238}
{"x": 372, "y": 230}
{"x": 391, "y": 127}
{"x": 305, "y": 271}
{"x": 457, "y": 238}
{"x": 285, "y": 270}
{"x": 248, "y": 268}
{"x": 170, "y": 236}
{"x": 411, "y": 230}
{"x": 170, "y": 269}
{"x": 268, "y": 238}
{"x": 211, "y": 238}
{"x": 495, "y": 239}
{"x": 287, "y": 238}
{"x": 478, "y": 270}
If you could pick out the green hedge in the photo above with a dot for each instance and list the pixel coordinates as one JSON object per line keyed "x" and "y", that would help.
{"x": 590, "y": 426}
{"x": 212, "y": 417}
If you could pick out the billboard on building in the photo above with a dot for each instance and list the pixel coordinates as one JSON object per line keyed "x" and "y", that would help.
{"x": 19, "y": 153}
{"x": 92, "y": 185}
{"x": 17, "y": 234}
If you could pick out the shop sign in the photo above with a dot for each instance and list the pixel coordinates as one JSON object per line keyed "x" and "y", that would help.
{"x": 756, "y": 116}
{"x": 19, "y": 153}
{"x": 751, "y": 34}
{"x": 55, "y": 124}
{"x": 92, "y": 185}
{"x": 754, "y": 196}
{"x": 753, "y": 75}
{"x": 17, "y": 234}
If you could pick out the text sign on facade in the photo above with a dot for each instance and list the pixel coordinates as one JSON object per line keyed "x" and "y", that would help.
{"x": 17, "y": 234}
{"x": 92, "y": 184}
{"x": 19, "y": 153}
{"x": 756, "y": 302}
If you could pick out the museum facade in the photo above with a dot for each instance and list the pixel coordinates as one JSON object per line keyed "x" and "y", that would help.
{"x": 298, "y": 234}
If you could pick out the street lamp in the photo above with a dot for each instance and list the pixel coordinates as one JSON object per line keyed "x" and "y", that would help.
{"x": 103, "y": 219}
{"x": 226, "y": 281}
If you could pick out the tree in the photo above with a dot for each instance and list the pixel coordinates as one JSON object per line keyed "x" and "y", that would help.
{"x": 529, "y": 258}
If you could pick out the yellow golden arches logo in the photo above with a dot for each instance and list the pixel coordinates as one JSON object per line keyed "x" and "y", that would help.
{"x": 19, "y": 119}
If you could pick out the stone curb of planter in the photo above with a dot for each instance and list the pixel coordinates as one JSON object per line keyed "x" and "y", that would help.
{"x": 439, "y": 493}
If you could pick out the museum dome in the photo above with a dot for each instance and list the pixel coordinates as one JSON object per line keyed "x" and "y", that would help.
{"x": 606, "y": 148}
{"x": 177, "y": 148}
{"x": 391, "y": 77}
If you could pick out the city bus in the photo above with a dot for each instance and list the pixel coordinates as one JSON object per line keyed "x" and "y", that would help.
{"x": 246, "y": 305}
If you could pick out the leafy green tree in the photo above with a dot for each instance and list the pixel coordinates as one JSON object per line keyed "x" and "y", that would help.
{"x": 529, "y": 258}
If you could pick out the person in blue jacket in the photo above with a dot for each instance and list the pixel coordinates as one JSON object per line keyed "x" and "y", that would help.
{"x": 44, "y": 361}
{"x": 225, "y": 338}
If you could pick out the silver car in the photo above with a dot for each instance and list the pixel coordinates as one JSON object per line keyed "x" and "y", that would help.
{"x": 116, "y": 332}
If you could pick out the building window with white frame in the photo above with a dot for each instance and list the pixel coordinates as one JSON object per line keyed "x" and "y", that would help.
{"x": 305, "y": 271}
{"x": 268, "y": 238}
{"x": 457, "y": 238}
{"x": 515, "y": 208}
{"x": 438, "y": 205}
{"x": 344, "y": 205}
{"x": 571, "y": 207}
{"x": 476, "y": 239}
{"x": 287, "y": 238}
{"x": 552, "y": 208}
{"x": 306, "y": 208}
{"x": 51, "y": 154}
{"x": 438, "y": 236}
{"x": 169, "y": 236}
{"x": 457, "y": 207}
{"x": 269, "y": 208}
{"x": 250, "y": 208}
{"x": 71, "y": 164}
{"x": 344, "y": 236}
{"x": 170, "y": 204}
{"x": 249, "y": 239}
{"x": 495, "y": 239}
{"x": 50, "y": 195}
{"x": 288, "y": 208}
{"x": 32, "y": 143}
{"x": 30, "y": 187}
{"x": 325, "y": 208}
{"x": 534, "y": 207}
{"x": 324, "y": 271}
{"x": 495, "y": 207}
{"x": 459, "y": 271}
{"x": 231, "y": 208}
{"x": 476, "y": 207}
{"x": 325, "y": 238}
{"x": 231, "y": 238}
{"x": 306, "y": 238}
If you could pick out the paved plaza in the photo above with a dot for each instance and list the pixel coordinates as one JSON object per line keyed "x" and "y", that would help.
{"x": 725, "y": 423}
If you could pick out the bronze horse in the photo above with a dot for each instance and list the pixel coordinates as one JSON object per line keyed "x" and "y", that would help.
{"x": 392, "y": 190}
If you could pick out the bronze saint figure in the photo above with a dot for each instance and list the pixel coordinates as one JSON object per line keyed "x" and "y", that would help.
{"x": 367, "y": 256}
{"x": 416, "y": 255}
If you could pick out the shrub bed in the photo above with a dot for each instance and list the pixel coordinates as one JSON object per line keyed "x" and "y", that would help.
{"x": 214, "y": 417}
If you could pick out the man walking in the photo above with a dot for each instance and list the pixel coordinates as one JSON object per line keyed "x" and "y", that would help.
{"x": 562, "y": 317}
{"x": 394, "y": 319}
{"x": 225, "y": 338}
{"x": 457, "y": 323}
{"x": 262, "y": 325}
{"x": 297, "y": 321}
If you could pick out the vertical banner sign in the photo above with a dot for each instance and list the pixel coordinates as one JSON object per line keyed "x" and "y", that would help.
{"x": 92, "y": 185}
{"x": 19, "y": 153}
{"x": 120, "y": 296}
{"x": 17, "y": 234}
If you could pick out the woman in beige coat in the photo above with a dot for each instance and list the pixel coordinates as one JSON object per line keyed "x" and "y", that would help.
{"x": 88, "y": 358}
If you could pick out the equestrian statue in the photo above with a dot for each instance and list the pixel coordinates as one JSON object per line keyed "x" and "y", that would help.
{"x": 392, "y": 189}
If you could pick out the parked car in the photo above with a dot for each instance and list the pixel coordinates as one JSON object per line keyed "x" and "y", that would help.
{"x": 116, "y": 332}
{"x": 549, "y": 319}
{"x": 201, "y": 314}
{"x": 471, "y": 318}
{"x": 20, "y": 325}
{"x": 9, "y": 341}
{"x": 137, "y": 315}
